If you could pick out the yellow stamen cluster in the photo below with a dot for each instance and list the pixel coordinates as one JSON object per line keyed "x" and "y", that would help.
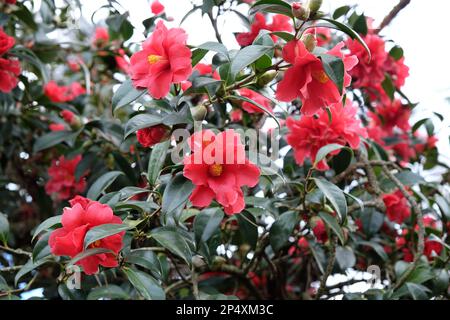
{"x": 216, "y": 170}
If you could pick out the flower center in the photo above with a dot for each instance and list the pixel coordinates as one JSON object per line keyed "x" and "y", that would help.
{"x": 215, "y": 170}
{"x": 96, "y": 244}
{"x": 320, "y": 76}
{"x": 153, "y": 58}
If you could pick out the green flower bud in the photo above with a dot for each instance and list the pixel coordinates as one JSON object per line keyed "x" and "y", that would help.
{"x": 310, "y": 42}
{"x": 199, "y": 112}
{"x": 314, "y": 6}
{"x": 266, "y": 78}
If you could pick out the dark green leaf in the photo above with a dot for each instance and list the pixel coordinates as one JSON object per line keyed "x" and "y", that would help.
{"x": 145, "y": 284}
{"x": 102, "y": 183}
{"x": 282, "y": 229}
{"x": 206, "y": 223}
{"x": 53, "y": 138}
{"x": 334, "y": 68}
{"x": 110, "y": 292}
{"x": 125, "y": 95}
{"x": 334, "y": 225}
{"x": 335, "y": 195}
{"x": 174, "y": 242}
{"x": 103, "y": 231}
{"x": 141, "y": 121}
{"x": 47, "y": 224}
{"x": 176, "y": 194}
{"x": 156, "y": 161}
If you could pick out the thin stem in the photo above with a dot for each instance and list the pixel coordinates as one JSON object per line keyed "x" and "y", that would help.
{"x": 419, "y": 217}
{"x": 16, "y": 251}
{"x": 391, "y": 16}
{"x": 331, "y": 260}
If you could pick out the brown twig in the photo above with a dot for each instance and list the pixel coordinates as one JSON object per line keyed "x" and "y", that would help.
{"x": 330, "y": 265}
{"x": 419, "y": 217}
{"x": 391, "y": 16}
{"x": 16, "y": 251}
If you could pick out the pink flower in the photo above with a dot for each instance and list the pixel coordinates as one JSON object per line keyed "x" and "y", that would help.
{"x": 77, "y": 220}
{"x": 59, "y": 94}
{"x": 236, "y": 115}
{"x": 9, "y": 72}
{"x": 258, "y": 98}
{"x": 307, "y": 80}
{"x": 279, "y": 23}
{"x": 57, "y": 127}
{"x": 150, "y": 136}
{"x": 308, "y": 134}
{"x": 163, "y": 60}
{"x": 219, "y": 168}
{"x": 74, "y": 64}
{"x": 62, "y": 180}
{"x": 397, "y": 208}
{"x": 319, "y": 230}
{"x": 6, "y": 42}
{"x": 101, "y": 37}
{"x": 368, "y": 73}
{"x": 68, "y": 116}
{"x": 123, "y": 61}
{"x": 156, "y": 7}
{"x": 392, "y": 115}
{"x": 206, "y": 70}
{"x": 397, "y": 70}
{"x": 432, "y": 248}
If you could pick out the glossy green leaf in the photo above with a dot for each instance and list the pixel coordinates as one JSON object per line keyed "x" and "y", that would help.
{"x": 102, "y": 183}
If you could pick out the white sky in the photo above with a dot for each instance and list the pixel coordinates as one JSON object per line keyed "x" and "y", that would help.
{"x": 421, "y": 29}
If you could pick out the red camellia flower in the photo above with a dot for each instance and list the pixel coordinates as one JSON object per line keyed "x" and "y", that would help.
{"x": 156, "y": 7}
{"x": 206, "y": 70}
{"x": 392, "y": 115}
{"x": 369, "y": 72}
{"x": 123, "y": 61}
{"x": 150, "y": 136}
{"x": 101, "y": 37}
{"x": 57, "y": 127}
{"x": 6, "y": 42}
{"x": 218, "y": 168}
{"x": 236, "y": 115}
{"x": 62, "y": 180}
{"x": 307, "y": 79}
{"x": 163, "y": 60}
{"x": 83, "y": 215}
{"x": 397, "y": 207}
{"x": 397, "y": 70}
{"x": 432, "y": 248}
{"x": 279, "y": 23}
{"x": 59, "y": 94}
{"x": 308, "y": 134}
{"x": 68, "y": 116}
{"x": 319, "y": 230}
{"x": 258, "y": 98}
{"x": 9, "y": 72}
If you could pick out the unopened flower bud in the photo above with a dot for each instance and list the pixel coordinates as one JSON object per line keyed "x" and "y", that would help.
{"x": 266, "y": 78}
{"x": 310, "y": 42}
{"x": 199, "y": 112}
{"x": 299, "y": 11}
{"x": 314, "y": 6}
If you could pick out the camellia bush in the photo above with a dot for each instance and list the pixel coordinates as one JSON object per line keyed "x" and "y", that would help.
{"x": 286, "y": 169}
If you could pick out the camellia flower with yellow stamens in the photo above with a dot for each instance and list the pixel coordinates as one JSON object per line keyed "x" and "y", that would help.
{"x": 219, "y": 168}
{"x": 306, "y": 78}
{"x": 163, "y": 60}
{"x": 83, "y": 215}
